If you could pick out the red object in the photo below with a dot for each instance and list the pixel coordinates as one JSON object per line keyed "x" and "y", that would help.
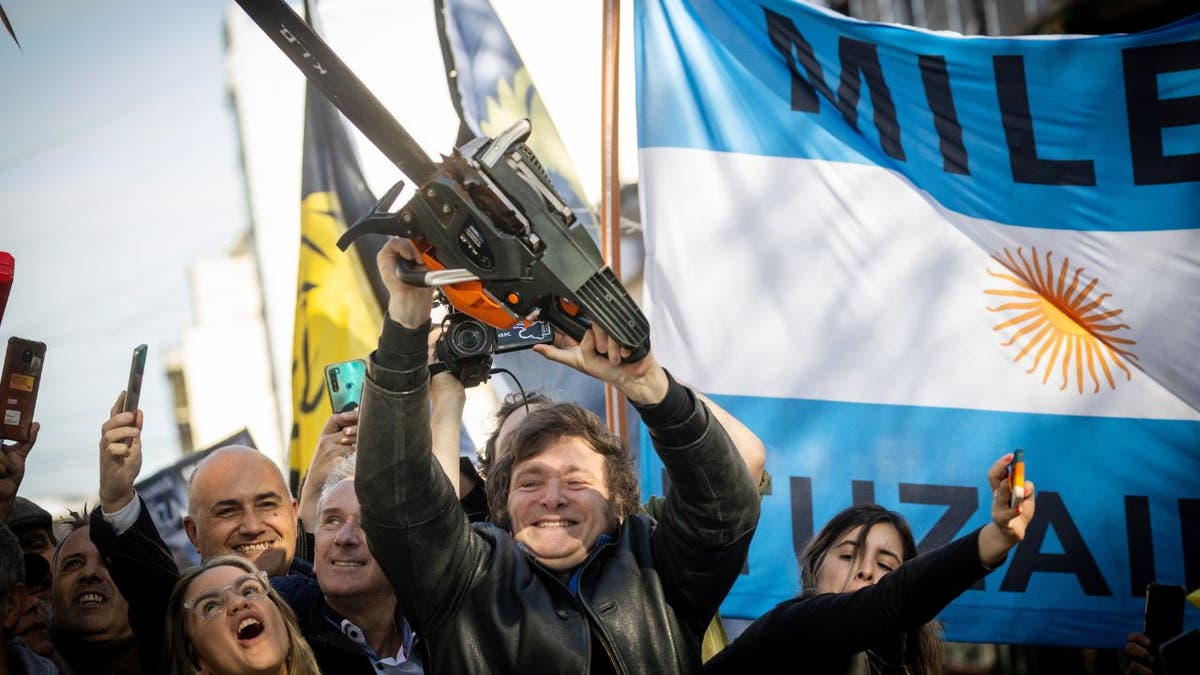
{"x": 7, "y": 268}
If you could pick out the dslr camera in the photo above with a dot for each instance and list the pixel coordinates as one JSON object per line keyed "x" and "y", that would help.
{"x": 467, "y": 344}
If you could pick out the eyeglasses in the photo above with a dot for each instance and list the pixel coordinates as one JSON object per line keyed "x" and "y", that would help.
{"x": 211, "y": 603}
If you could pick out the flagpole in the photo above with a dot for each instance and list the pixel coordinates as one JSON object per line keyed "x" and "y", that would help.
{"x": 610, "y": 200}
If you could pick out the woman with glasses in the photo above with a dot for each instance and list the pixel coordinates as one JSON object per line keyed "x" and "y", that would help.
{"x": 225, "y": 619}
{"x": 867, "y": 599}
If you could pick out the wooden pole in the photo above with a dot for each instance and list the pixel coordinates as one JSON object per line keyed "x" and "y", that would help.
{"x": 610, "y": 200}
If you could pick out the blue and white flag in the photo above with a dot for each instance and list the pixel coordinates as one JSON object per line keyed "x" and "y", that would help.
{"x": 899, "y": 254}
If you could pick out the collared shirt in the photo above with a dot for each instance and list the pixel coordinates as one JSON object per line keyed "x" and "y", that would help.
{"x": 400, "y": 664}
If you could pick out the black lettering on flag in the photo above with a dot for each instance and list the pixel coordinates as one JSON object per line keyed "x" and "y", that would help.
{"x": 936, "y": 78}
{"x": 961, "y": 503}
{"x": 1075, "y": 559}
{"x": 863, "y": 57}
{"x": 1027, "y": 167}
{"x": 802, "y": 512}
{"x": 785, "y": 37}
{"x": 862, "y": 492}
{"x": 1141, "y": 544}
{"x": 1149, "y": 114}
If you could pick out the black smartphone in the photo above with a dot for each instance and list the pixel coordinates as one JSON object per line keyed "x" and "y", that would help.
{"x": 22, "y": 376}
{"x": 523, "y": 335}
{"x": 344, "y": 382}
{"x": 137, "y": 368}
{"x": 1164, "y": 616}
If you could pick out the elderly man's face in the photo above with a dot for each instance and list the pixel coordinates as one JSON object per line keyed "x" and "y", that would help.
{"x": 87, "y": 603}
{"x": 558, "y": 503}
{"x": 344, "y": 565}
{"x": 239, "y": 505}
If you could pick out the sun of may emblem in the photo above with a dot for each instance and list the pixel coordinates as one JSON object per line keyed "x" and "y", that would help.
{"x": 1059, "y": 319}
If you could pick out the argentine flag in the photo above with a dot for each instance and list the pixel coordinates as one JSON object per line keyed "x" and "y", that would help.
{"x": 899, "y": 254}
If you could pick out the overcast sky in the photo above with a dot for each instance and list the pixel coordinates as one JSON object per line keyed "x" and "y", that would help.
{"x": 118, "y": 167}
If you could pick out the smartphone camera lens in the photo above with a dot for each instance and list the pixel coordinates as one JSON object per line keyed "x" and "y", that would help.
{"x": 27, "y": 356}
{"x": 333, "y": 380}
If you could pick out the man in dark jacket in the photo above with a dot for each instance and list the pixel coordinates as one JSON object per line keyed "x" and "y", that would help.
{"x": 578, "y": 581}
{"x": 348, "y": 614}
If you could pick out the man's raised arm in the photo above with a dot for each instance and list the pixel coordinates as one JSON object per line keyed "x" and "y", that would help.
{"x": 417, "y": 532}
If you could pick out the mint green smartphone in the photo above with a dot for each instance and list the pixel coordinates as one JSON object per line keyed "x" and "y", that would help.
{"x": 344, "y": 382}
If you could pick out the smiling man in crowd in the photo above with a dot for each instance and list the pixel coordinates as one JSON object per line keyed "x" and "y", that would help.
{"x": 348, "y": 614}
{"x": 91, "y": 628}
{"x": 238, "y": 503}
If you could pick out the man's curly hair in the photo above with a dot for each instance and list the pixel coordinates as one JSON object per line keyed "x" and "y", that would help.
{"x": 548, "y": 424}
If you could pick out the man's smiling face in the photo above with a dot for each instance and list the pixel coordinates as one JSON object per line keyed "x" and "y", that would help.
{"x": 238, "y": 504}
{"x": 87, "y": 604}
{"x": 558, "y": 503}
{"x": 344, "y": 565}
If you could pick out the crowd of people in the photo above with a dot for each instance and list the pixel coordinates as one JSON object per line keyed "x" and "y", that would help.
{"x": 398, "y": 559}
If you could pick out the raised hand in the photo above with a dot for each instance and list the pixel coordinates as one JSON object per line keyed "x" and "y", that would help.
{"x": 120, "y": 456}
{"x": 643, "y": 382}
{"x": 1008, "y": 524}
{"x": 339, "y": 437}
{"x": 408, "y": 305}
{"x": 12, "y": 469}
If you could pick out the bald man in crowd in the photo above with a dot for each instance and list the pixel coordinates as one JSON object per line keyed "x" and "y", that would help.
{"x": 238, "y": 504}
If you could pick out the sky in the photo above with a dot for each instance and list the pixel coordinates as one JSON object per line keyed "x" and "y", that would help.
{"x": 120, "y": 167}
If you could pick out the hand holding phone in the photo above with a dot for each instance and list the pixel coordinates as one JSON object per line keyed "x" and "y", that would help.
{"x": 1016, "y": 478}
{"x": 133, "y": 389}
{"x": 19, "y": 386}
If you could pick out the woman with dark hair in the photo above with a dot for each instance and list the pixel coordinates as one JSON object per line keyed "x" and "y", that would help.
{"x": 868, "y": 601}
{"x": 225, "y": 619}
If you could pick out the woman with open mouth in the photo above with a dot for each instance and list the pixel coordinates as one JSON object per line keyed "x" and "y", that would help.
{"x": 225, "y": 619}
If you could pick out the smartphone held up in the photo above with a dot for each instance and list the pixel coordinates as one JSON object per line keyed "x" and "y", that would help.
{"x": 22, "y": 376}
{"x": 1016, "y": 478}
{"x": 343, "y": 382}
{"x": 133, "y": 388}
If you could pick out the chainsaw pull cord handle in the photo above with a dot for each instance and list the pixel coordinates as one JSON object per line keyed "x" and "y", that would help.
{"x": 379, "y": 220}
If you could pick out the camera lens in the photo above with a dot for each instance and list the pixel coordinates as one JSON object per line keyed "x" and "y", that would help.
{"x": 468, "y": 339}
{"x": 27, "y": 356}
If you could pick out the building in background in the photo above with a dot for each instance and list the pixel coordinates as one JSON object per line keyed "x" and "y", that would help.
{"x": 220, "y": 375}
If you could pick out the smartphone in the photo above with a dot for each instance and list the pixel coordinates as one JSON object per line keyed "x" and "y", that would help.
{"x": 1164, "y": 615}
{"x": 523, "y": 335}
{"x": 137, "y": 368}
{"x": 22, "y": 376}
{"x": 1016, "y": 478}
{"x": 344, "y": 382}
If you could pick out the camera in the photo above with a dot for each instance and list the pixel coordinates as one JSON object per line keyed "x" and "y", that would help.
{"x": 27, "y": 356}
{"x": 467, "y": 344}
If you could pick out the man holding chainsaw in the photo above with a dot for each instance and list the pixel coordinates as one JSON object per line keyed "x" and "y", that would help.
{"x": 576, "y": 580}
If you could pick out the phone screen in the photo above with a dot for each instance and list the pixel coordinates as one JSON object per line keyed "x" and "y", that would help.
{"x": 344, "y": 382}
{"x": 20, "y": 381}
{"x": 137, "y": 368}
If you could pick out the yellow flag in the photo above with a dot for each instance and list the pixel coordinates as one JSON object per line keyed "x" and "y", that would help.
{"x": 338, "y": 314}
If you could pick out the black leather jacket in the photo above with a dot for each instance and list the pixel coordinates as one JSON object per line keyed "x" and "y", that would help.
{"x": 482, "y": 605}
